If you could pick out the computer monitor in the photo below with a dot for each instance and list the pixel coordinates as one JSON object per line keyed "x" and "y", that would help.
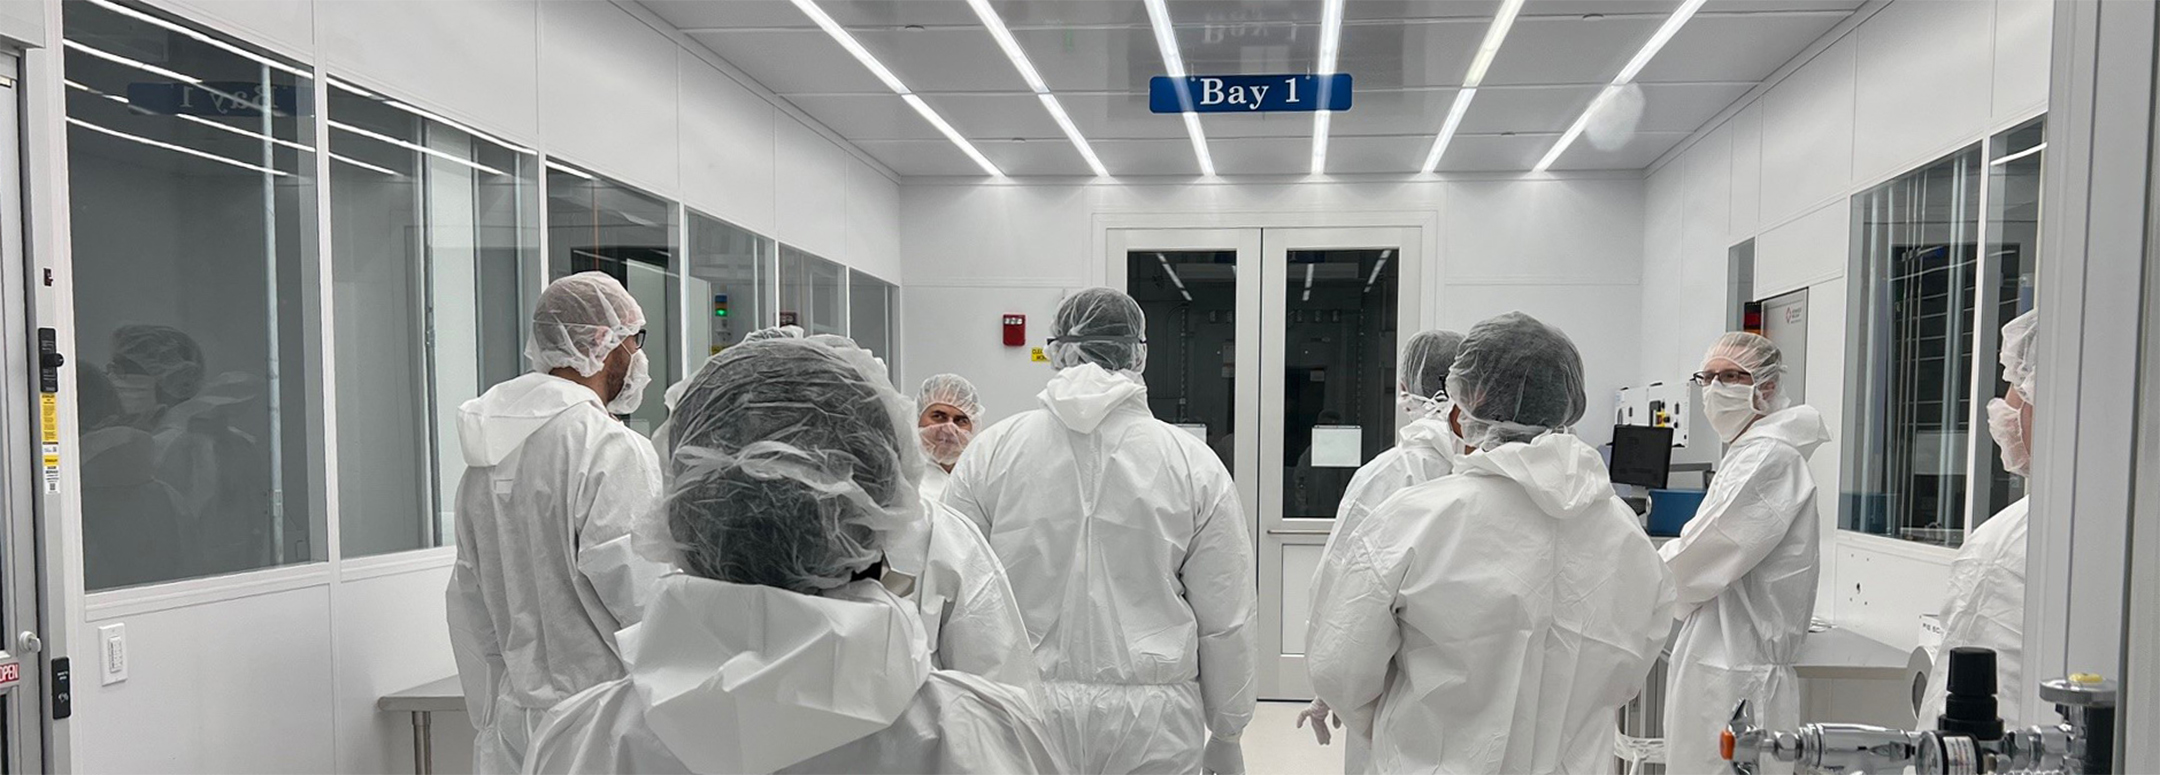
{"x": 1641, "y": 455}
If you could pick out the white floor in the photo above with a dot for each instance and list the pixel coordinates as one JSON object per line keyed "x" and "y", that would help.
{"x": 1274, "y": 745}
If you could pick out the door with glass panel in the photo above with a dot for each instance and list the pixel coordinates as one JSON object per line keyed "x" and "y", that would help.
{"x": 1277, "y": 347}
{"x": 22, "y": 713}
{"x": 1335, "y": 304}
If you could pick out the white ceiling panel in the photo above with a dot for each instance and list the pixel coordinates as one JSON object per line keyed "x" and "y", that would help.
{"x": 1541, "y": 109}
{"x": 1736, "y": 47}
{"x": 1633, "y": 152}
{"x": 1035, "y": 157}
{"x": 794, "y": 62}
{"x": 1675, "y": 107}
{"x": 1353, "y": 155}
{"x": 1395, "y": 113}
{"x": 919, "y": 158}
{"x": 1408, "y": 58}
{"x": 1569, "y": 50}
{"x": 1149, "y": 157}
{"x": 1262, "y": 156}
{"x": 1491, "y": 153}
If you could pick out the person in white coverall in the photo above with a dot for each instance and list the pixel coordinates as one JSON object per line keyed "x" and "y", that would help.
{"x": 1985, "y": 604}
{"x": 1426, "y": 449}
{"x": 943, "y": 563}
{"x": 1494, "y": 620}
{"x": 1129, "y": 551}
{"x": 545, "y": 569}
{"x": 775, "y": 648}
{"x": 950, "y": 411}
{"x": 1746, "y": 564}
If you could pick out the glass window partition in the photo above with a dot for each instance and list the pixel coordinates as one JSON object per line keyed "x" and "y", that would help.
{"x": 1915, "y": 283}
{"x": 191, "y": 171}
{"x": 433, "y": 232}
{"x": 730, "y": 271}
{"x": 870, "y": 315}
{"x": 597, "y": 224}
{"x": 2013, "y": 237}
{"x": 810, "y": 293}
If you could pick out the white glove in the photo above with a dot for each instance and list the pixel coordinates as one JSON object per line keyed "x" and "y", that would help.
{"x": 1223, "y": 757}
{"x": 1318, "y": 714}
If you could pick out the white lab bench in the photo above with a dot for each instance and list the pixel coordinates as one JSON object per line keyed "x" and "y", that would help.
{"x": 423, "y": 702}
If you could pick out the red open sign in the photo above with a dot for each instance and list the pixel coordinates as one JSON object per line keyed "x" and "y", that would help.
{"x": 10, "y": 673}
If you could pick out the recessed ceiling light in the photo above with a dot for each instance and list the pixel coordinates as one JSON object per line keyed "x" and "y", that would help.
{"x": 1174, "y": 67}
{"x": 1005, "y": 40}
{"x": 1495, "y": 34}
{"x": 855, "y": 48}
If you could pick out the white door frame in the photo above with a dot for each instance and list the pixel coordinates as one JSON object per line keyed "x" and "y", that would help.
{"x": 22, "y": 570}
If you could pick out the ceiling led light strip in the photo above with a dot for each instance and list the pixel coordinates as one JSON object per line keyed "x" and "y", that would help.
{"x": 1174, "y": 67}
{"x": 1495, "y": 35}
{"x": 1330, "y": 51}
{"x": 1034, "y": 80}
{"x": 1627, "y": 75}
{"x": 840, "y": 35}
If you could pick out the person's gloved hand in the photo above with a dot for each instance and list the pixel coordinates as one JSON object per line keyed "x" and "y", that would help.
{"x": 1223, "y": 757}
{"x": 1318, "y": 713}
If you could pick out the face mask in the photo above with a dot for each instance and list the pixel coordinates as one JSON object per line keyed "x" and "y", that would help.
{"x": 138, "y": 393}
{"x": 1729, "y": 407}
{"x": 633, "y": 389}
{"x": 944, "y": 442}
{"x": 2004, "y": 424}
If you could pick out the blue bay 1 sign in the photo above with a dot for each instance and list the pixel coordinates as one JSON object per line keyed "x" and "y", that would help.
{"x": 1250, "y": 93}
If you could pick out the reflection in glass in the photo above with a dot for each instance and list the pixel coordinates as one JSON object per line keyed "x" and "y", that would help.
{"x": 1190, "y": 298}
{"x": 2013, "y": 229}
{"x": 596, "y": 224}
{"x": 191, "y": 172}
{"x": 432, "y": 231}
{"x": 870, "y": 307}
{"x": 1915, "y": 281}
{"x": 728, "y": 271}
{"x": 1339, "y": 404}
{"x": 810, "y": 289}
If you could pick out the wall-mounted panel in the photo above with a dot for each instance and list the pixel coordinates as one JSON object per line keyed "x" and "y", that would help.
{"x": 24, "y": 22}
{"x": 1661, "y": 270}
{"x": 1883, "y": 591}
{"x": 985, "y": 234}
{"x": 1529, "y": 230}
{"x": 1807, "y": 138}
{"x": 1747, "y": 172}
{"x": 810, "y": 190}
{"x": 608, "y": 93}
{"x": 2023, "y": 39}
{"x": 390, "y": 637}
{"x": 1923, "y": 82}
{"x": 410, "y": 44}
{"x": 873, "y": 221}
{"x": 1826, "y": 392}
{"x": 727, "y": 148}
{"x": 198, "y": 698}
{"x": 1808, "y": 250}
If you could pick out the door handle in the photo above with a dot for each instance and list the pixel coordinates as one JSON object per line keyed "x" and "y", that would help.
{"x": 1289, "y": 531}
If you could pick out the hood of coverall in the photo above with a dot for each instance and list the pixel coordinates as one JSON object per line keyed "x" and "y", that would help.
{"x": 494, "y": 425}
{"x": 748, "y": 678}
{"x": 1562, "y": 475}
{"x": 1431, "y": 432}
{"x": 1083, "y": 396}
{"x": 1801, "y": 426}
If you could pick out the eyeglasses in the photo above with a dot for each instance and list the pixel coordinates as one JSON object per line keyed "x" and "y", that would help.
{"x": 1726, "y": 377}
{"x": 638, "y": 339}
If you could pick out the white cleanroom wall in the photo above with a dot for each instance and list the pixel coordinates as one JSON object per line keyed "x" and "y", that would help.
{"x": 280, "y": 670}
{"x": 1913, "y": 82}
{"x": 1563, "y": 248}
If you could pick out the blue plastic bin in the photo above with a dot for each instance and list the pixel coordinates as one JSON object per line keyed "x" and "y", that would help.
{"x": 1670, "y": 510}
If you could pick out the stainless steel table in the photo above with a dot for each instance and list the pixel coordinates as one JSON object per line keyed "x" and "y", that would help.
{"x": 423, "y": 702}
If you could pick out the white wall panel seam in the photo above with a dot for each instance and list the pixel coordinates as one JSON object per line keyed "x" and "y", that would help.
{"x": 703, "y": 52}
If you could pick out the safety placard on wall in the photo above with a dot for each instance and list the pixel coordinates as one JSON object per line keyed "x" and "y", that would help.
{"x": 1037, "y": 355}
{"x": 49, "y": 422}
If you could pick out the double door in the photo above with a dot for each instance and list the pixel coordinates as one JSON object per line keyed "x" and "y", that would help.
{"x": 1277, "y": 348}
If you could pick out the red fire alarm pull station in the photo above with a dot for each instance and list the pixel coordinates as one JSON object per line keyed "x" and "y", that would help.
{"x": 1015, "y": 330}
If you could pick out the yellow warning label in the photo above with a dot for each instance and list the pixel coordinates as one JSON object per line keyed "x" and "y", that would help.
{"x": 49, "y": 416}
{"x": 1037, "y": 355}
{"x": 52, "y": 461}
